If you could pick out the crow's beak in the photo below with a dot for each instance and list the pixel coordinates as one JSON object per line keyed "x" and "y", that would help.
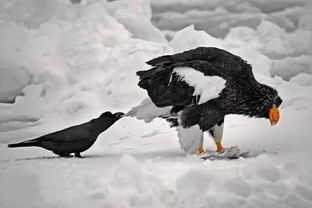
{"x": 274, "y": 115}
{"x": 119, "y": 115}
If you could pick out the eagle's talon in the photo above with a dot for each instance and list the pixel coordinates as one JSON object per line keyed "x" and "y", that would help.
{"x": 201, "y": 151}
{"x": 219, "y": 147}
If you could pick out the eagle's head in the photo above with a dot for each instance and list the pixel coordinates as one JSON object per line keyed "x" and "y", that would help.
{"x": 267, "y": 103}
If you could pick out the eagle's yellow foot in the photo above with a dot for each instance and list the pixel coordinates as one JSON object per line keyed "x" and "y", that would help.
{"x": 219, "y": 147}
{"x": 201, "y": 151}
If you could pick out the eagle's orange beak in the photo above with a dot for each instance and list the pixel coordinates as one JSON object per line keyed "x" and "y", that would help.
{"x": 274, "y": 115}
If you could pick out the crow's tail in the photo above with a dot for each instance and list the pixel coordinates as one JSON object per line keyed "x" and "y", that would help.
{"x": 29, "y": 143}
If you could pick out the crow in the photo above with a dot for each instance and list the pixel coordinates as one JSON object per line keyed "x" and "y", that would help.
{"x": 75, "y": 139}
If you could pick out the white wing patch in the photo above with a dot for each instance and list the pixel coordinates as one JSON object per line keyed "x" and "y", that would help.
{"x": 207, "y": 87}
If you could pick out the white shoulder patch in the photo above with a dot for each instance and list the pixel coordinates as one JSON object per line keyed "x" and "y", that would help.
{"x": 207, "y": 87}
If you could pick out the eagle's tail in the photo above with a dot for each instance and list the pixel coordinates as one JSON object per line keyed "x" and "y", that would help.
{"x": 190, "y": 116}
{"x": 154, "y": 76}
{"x": 29, "y": 143}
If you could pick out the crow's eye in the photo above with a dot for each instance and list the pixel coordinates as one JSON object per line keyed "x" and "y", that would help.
{"x": 278, "y": 101}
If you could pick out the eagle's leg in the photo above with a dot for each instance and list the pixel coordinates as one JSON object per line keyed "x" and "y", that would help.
{"x": 201, "y": 150}
{"x": 217, "y": 133}
{"x": 191, "y": 139}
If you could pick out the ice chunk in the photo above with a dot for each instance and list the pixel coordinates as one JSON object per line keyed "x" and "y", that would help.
{"x": 291, "y": 66}
{"x": 259, "y": 62}
{"x": 306, "y": 17}
{"x": 12, "y": 81}
{"x": 242, "y": 35}
{"x": 136, "y": 17}
{"x": 31, "y": 13}
{"x": 302, "y": 79}
{"x": 189, "y": 38}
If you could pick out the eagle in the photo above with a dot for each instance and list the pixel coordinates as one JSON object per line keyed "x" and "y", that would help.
{"x": 194, "y": 91}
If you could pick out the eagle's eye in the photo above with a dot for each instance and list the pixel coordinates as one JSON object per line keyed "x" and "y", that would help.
{"x": 278, "y": 101}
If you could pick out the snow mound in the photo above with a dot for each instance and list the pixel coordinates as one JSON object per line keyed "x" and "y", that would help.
{"x": 230, "y": 153}
{"x": 12, "y": 82}
{"x": 139, "y": 187}
{"x": 218, "y": 17}
{"x": 300, "y": 64}
{"x": 189, "y": 38}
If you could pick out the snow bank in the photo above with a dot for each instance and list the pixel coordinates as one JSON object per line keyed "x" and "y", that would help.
{"x": 81, "y": 56}
{"x": 218, "y": 17}
{"x": 78, "y": 53}
{"x": 12, "y": 81}
{"x": 140, "y": 188}
{"x": 31, "y": 13}
{"x": 188, "y": 38}
{"x": 291, "y": 66}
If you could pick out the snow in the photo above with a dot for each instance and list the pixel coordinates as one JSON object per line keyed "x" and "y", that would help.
{"x": 12, "y": 82}
{"x": 63, "y": 64}
{"x": 195, "y": 39}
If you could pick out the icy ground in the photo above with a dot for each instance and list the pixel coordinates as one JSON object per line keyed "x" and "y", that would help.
{"x": 63, "y": 64}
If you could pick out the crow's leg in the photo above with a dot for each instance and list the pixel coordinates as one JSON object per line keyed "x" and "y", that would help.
{"x": 217, "y": 133}
{"x": 64, "y": 154}
{"x": 77, "y": 154}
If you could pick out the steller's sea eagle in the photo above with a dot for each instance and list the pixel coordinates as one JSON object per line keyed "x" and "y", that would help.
{"x": 196, "y": 89}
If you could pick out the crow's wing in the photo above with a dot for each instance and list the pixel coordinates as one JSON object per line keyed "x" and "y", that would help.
{"x": 71, "y": 134}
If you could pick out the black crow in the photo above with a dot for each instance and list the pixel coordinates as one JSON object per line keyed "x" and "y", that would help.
{"x": 200, "y": 87}
{"x": 75, "y": 139}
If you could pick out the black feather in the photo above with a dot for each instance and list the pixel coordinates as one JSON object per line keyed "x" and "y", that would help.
{"x": 74, "y": 139}
{"x": 29, "y": 143}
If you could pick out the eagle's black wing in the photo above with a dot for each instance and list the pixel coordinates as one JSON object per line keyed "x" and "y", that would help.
{"x": 166, "y": 89}
{"x": 209, "y": 54}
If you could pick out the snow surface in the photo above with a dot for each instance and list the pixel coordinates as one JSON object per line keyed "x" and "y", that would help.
{"x": 70, "y": 63}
